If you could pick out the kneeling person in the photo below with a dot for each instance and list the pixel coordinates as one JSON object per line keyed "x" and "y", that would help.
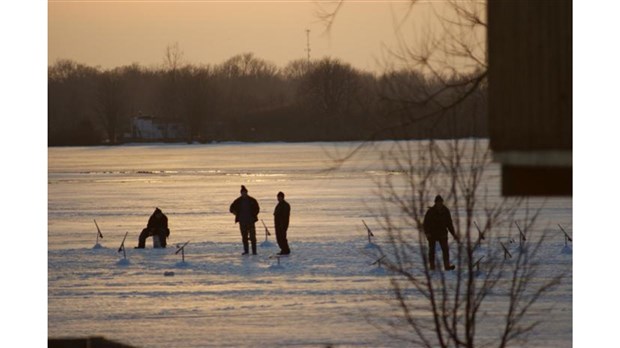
{"x": 157, "y": 226}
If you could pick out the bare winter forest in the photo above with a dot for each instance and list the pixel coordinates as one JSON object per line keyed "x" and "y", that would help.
{"x": 247, "y": 98}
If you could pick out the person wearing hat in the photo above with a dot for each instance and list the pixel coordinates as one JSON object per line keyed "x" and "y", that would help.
{"x": 246, "y": 209}
{"x": 437, "y": 224}
{"x": 157, "y": 226}
{"x": 280, "y": 220}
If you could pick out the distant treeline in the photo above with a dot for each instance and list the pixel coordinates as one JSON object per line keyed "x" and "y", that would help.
{"x": 249, "y": 99}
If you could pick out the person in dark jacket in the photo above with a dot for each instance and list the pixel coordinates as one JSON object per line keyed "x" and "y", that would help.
{"x": 281, "y": 217}
{"x": 246, "y": 209}
{"x": 437, "y": 224}
{"x": 157, "y": 226}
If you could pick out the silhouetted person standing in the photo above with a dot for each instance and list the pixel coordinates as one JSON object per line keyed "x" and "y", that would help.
{"x": 281, "y": 218}
{"x": 437, "y": 224}
{"x": 157, "y": 226}
{"x": 246, "y": 211}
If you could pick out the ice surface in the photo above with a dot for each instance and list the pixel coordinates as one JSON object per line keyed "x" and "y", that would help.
{"x": 325, "y": 293}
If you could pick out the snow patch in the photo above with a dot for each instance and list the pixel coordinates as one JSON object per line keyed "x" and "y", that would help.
{"x": 379, "y": 271}
{"x": 267, "y": 244}
{"x": 275, "y": 267}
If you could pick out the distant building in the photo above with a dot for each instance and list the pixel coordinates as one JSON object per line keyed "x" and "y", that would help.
{"x": 531, "y": 95}
{"x": 149, "y": 128}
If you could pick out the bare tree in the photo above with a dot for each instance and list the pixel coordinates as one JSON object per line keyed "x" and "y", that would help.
{"x": 170, "y": 99}
{"x": 442, "y": 77}
{"x": 110, "y": 106}
{"x": 71, "y": 117}
{"x": 330, "y": 89}
{"x": 447, "y": 309}
{"x": 450, "y": 57}
{"x": 198, "y": 99}
{"x": 297, "y": 69}
{"x": 173, "y": 57}
{"x": 247, "y": 66}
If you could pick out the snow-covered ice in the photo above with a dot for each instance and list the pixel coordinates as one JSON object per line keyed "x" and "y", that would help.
{"x": 326, "y": 293}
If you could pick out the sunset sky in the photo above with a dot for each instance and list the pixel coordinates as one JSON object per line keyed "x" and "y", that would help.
{"x": 115, "y": 33}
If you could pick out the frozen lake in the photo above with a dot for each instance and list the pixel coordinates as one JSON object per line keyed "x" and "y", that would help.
{"x": 326, "y": 293}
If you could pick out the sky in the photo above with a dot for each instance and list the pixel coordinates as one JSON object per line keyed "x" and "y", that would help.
{"x": 116, "y": 33}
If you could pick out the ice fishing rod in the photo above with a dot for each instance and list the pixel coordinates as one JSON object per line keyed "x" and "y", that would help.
{"x": 480, "y": 234}
{"x": 567, "y": 238}
{"x": 477, "y": 264}
{"x": 181, "y": 248}
{"x": 266, "y": 230}
{"x": 277, "y": 257}
{"x": 122, "y": 247}
{"x": 522, "y": 239}
{"x": 506, "y": 252}
{"x": 99, "y": 235}
{"x": 378, "y": 262}
{"x": 368, "y": 230}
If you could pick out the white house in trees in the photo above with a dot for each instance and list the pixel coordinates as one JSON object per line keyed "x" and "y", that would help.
{"x": 152, "y": 128}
